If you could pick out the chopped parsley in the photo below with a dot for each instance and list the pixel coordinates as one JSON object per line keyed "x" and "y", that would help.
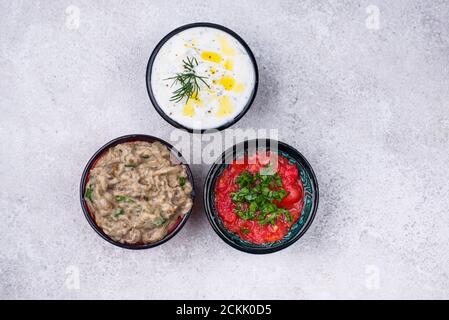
{"x": 124, "y": 199}
{"x": 182, "y": 181}
{"x": 88, "y": 194}
{"x": 119, "y": 212}
{"x": 160, "y": 221}
{"x": 256, "y": 197}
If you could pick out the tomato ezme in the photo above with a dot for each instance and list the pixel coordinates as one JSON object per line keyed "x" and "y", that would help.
{"x": 257, "y": 206}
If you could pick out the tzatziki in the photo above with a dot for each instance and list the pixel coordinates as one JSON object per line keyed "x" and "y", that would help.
{"x": 203, "y": 78}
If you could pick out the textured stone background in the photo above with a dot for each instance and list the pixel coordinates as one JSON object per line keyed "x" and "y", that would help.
{"x": 368, "y": 107}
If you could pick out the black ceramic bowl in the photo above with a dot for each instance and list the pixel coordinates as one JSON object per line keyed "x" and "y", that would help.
{"x": 85, "y": 179}
{"x": 306, "y": 174}
{"x": 164, "y": 40}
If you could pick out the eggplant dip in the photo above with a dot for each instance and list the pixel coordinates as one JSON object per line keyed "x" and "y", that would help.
{"x": 136, "y": 193}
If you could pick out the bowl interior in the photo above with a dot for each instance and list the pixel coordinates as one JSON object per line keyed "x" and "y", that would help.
{"x": 307, "y": 177}
{"x": 176, "y": 158}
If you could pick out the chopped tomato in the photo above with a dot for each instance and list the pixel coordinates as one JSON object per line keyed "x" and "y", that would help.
{"x": 294, "y": 194}
{"x": 252, "y": 230}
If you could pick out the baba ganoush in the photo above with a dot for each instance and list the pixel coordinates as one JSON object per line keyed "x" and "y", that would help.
{"x": 136, "y": 193}
{"x": 203, "y": 78}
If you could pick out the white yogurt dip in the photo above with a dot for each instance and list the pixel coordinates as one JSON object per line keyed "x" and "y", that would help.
{"x": 227, "y": 73}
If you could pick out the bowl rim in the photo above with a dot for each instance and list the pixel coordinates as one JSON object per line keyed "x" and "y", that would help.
{"x": 97, "y": 155}
{"x": 211, "y": 213}
{"x": 156, "y": 51}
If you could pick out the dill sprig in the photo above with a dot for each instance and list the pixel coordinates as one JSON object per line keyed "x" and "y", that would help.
{"x": 189, "y": 81}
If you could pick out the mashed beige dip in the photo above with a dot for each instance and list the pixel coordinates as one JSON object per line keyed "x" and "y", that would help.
{"x": 136, "y": 193}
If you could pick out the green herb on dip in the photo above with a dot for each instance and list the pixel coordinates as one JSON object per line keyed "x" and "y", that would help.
{"x": 188, "y": 80}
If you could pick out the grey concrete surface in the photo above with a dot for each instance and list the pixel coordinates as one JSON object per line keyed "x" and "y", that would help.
{"x": 366, "y": 103}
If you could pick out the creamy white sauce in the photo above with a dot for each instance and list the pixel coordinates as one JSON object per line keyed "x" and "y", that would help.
{"x": 222, "y": 59}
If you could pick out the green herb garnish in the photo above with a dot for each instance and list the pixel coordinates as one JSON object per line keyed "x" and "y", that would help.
{"x": 159, "y": 222}
{"x": 245, "y": 231}
{"x": 188, "y": 80}
{"x": 131, "y": 165}
{"x": 255, "y": 199}
{"x": 124, "y": 199}
{"x": 119, "y": 212}
{"x": 182, "y": 181}
{"x": 88, "y": 194}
